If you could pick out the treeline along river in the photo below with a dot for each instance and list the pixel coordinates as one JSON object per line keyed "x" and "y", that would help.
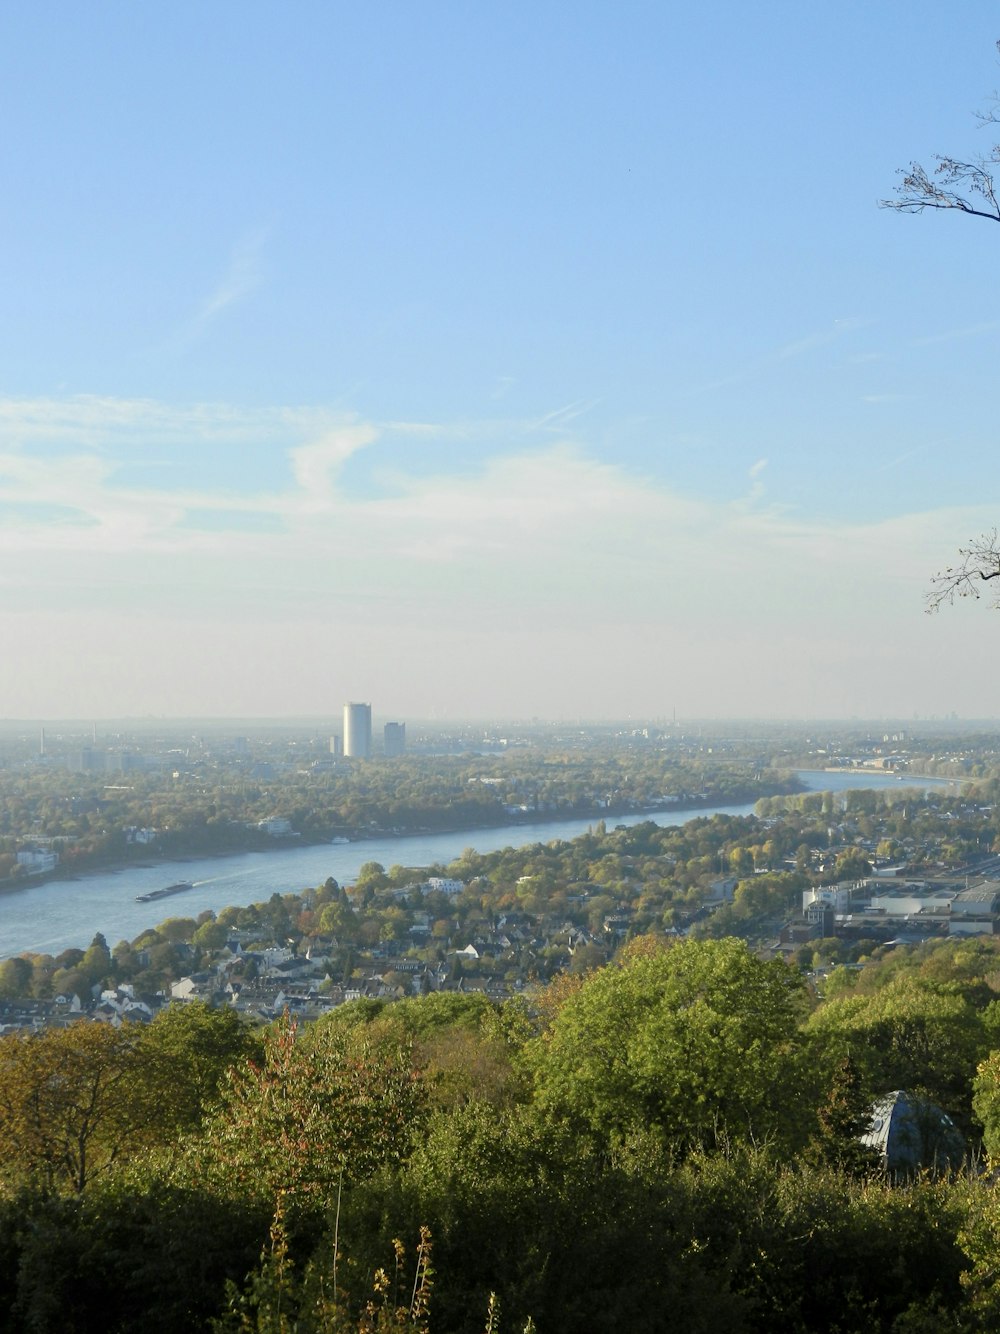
{"x": 62, "y": 914}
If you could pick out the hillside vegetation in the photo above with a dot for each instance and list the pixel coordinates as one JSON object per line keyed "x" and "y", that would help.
{"x": 668, "y": 1142}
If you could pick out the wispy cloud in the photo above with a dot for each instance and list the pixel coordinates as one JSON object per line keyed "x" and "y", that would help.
{"x": 561, "y": 417}
{"x": 756, "y": 489}
{"x": 75, "y": 456}
{"x": 316, "y": 465}
{"x": 865, "y": 358}
{"x": 901, "y": 458}
{"x": 952, "y": 335}
{"x": 821, "y": 338}
{"x": 241, "y": 277}
{"x": 94, "y": 421}
{"x": 798, "y": 347}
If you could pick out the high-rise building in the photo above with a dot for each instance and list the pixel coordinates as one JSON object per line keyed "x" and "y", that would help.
{"x": 336, "y": 746}
{"x": 395, "y": 739}
{"x": 358, "y": 731}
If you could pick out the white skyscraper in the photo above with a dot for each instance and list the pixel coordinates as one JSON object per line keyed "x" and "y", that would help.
{"x": 358, "y": 731}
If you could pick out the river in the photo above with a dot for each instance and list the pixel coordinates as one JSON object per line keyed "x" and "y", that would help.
{"x": 62, "y": 914}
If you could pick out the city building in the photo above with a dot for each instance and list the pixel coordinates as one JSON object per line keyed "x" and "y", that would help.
{"x": 444, "y": 885}
{"x": 358, "y": 731}
{"x": 37, "y": 860}
{"x": 87, "y": 760}
{"x": 336, "y": 746}
{"x": 395, "y": 739}
{"x": 278, "y": 826}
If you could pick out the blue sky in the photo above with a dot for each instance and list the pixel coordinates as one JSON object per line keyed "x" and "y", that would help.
{"x": 527, "y": 359}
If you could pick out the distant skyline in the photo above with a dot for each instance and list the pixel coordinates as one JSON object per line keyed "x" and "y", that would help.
{"x": 492, "y": 363}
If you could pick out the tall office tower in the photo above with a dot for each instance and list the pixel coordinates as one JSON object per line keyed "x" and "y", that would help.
{"x": 358, "y": 731}
{"x": 395, "y": 739}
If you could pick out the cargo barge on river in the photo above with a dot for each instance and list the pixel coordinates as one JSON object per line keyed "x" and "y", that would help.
{"x": 181, "y": 887}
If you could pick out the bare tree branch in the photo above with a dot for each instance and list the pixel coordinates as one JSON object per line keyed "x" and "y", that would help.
{"x": 977, "y": 196}
{"x": 969, "y": 187}
{"x": 980, "y": 562}
{"x": 966, "y": 186}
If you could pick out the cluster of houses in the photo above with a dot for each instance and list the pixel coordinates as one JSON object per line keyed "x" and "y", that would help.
{"x": 262, "y": 977}
{"x": 261, "y": 981}
{"x": 114, "y": 1006}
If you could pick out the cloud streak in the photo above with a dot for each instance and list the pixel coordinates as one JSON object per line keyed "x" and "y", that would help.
{"x": 955, "y": 335}
{"x": 790, "y": 351}
{"x": 241, "y": 277}
{"x": 94, "y": 421}
{"x": 560, "y": 418}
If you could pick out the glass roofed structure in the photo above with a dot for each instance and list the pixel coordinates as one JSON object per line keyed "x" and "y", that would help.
{"x": 913, "y": 1135}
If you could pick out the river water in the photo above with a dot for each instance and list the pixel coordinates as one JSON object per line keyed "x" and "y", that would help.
{"x": 63, "y": 914}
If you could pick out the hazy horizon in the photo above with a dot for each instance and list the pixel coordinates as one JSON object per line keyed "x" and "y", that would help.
{"x": 333, "y": 721}
{"x": 492, "y": 364}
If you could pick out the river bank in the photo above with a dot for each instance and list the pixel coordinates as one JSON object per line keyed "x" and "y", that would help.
{"x": 59, "y": 914}
{"x": 81, "y": 870}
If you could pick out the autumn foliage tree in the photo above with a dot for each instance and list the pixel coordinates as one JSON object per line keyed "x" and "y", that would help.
{"x": 71, "y": 1104}
{"x": 312, "y": 1114}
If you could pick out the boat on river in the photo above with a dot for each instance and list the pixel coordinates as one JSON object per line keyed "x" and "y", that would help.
{"x": 181, "y": 887}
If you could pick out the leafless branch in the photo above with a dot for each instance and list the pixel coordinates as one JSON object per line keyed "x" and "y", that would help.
{"x": 980, "y": 562}
{"x": 992, "y": 115}
{"x": 976, "y": 195}
{"x": 968, "y": 187}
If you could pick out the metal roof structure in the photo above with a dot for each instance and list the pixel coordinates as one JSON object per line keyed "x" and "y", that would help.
{"x": 912, "y": 1135}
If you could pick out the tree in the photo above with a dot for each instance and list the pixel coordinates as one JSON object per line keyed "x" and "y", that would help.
{"x": 371, "y": 876}
{"x": 188, "y": 1049}
{"x": 986, "y": 1103}
{"x": 210, "y": 935}
{"x": 312, "y": 1114}
{"x": 741, "y": 861}
{"x": 15, "y": 978}
{"x": 71, "y": 1103}
{"x": 979, "y": 563}
{"x": 691, "y": 1040}
{"x": 966, "y": 186}
{"x": 178, "y": 929}
{"x": 852, "y": 865}
{"x": 842, "y": 1119}
{"x": 96, "y": 962}
{"x": 910, "y": 1034}
{"x": 970, "y": 188}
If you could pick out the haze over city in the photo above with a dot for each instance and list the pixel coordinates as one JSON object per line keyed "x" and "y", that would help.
{"x": 491, "y": 363}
